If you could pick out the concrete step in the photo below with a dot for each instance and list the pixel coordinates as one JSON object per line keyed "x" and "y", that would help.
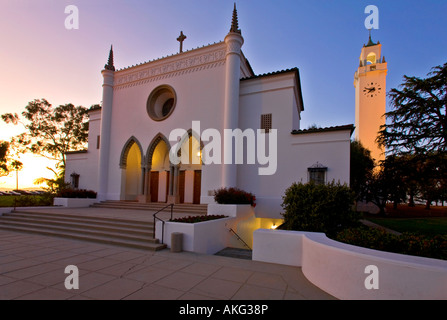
{"x": 94, "y": 221}
{"x": 98, "y": 239}
{"x": 12, "y": 219}
{"x": 137, "y": 234}
{"x": 180, "y": 208}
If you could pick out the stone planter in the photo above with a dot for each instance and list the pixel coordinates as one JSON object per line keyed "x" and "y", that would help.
{"x": 74, "y": 202}
{"x": 230, "y": 210}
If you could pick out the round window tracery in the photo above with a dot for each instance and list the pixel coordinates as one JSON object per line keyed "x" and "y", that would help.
{"x": 161, "y": 102}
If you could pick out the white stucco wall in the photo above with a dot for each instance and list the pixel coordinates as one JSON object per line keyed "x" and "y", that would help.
{"x": 276, "y": 94}
{"x": 200, "y": 96}
{"x": 86, "y": 163}
{"x": 340, "y": 269}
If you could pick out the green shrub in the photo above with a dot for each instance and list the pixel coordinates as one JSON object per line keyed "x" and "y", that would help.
{"x": 76, "y": 193}
{"x": 234, "y": 196}
{"x": 319, "y": 208}
{"x": 406, "y": 243}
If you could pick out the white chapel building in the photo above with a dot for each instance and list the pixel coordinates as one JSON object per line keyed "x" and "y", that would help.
{"x": 200, "y": 93}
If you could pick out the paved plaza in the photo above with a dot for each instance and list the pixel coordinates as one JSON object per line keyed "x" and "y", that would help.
{"x": 32, "y": 268}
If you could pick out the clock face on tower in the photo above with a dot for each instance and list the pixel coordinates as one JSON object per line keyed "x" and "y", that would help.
{"x": 372, "y": 89}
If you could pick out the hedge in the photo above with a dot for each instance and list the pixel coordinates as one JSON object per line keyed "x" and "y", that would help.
{"x": 405, "y": 243}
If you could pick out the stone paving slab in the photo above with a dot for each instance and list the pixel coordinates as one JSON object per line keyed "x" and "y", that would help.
{"x": 32, "y": 268}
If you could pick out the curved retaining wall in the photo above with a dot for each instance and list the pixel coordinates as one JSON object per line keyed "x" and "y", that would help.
{"x": 350, "y": 272}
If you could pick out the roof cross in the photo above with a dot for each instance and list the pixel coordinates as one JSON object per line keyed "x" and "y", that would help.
{"x": 180, "y": 39}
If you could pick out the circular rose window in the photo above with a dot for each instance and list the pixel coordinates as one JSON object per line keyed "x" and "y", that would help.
{"x": 161, "y": 102}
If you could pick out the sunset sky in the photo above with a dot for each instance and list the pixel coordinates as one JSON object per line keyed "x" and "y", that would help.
{"x": 40, "y": 58}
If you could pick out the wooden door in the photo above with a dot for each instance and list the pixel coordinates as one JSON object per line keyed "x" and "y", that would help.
{"x": 181, "y": 186}
{"x": 167, "y": 185}
{"x": 154, "y": 186}
{"x": 197, "y": 186}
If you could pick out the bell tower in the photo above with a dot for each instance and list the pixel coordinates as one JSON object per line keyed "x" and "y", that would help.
{"x": 370, "y": 97}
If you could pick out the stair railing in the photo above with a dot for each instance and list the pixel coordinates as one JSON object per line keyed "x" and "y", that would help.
{"x": 239, "y": 238}
{"x": 163, "y": 222}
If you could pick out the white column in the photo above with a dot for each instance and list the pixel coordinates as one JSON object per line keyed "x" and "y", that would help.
{"x": 106, "y": 119}
{"x": 234, "y": 42}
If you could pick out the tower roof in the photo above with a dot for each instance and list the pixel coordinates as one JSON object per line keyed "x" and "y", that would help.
{"x": 109, "y": 65}
{"x": 234, "y": 22}
{"x": 370, "y": 42}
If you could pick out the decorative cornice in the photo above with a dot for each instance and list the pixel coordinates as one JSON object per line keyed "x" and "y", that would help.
{"x": 160, "y": 70}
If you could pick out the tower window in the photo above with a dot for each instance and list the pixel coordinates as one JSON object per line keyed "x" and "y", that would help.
{"x": 266, "y": 122}
{"x": 371, "y": 58}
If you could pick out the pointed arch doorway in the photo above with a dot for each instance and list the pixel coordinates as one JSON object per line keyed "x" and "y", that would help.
{"x": 158, "y": 170}
{"x": 173, "y": 183}
{"x": 190, "y": 169}
{"x": 131, "y": 170}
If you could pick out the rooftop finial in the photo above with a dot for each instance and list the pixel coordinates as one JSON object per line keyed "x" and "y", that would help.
{"x": 180, "y": 39}
{"x": 109, "y": 65}
{"x": 370, "y": 42}
{"x": 234, "y": 22}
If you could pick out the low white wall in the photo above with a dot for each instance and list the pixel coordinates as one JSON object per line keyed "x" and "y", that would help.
{"x": 74, "y": 202}
{"x": 212, "y": 236}
{"x": 206, "y": 237}
{"x": 339, "y": 268}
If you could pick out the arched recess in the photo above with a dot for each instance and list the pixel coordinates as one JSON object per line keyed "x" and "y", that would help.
{"x": 131, "y": 161}
{"x": 190, "y": 168}
{"x": 154, "y": 143}
{"x": 159, "y": 170}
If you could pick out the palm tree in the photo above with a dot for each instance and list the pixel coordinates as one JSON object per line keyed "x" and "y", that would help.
{"x": 17, "y": 166}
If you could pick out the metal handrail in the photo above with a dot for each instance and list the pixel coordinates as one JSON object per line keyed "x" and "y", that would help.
{"x": 239, "y": 238}
{"x": 163, "y": 225}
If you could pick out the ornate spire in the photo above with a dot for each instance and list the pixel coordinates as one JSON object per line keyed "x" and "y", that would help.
{"x": 370, "y": 42}
{"x": 109, "y": 65}
{"x": 234, "y": 22}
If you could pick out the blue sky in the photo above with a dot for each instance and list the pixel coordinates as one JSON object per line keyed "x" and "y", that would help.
{"x": 40, "y": 58}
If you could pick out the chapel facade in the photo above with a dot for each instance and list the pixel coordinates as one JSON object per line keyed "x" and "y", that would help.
{"x": 150, "y": 139}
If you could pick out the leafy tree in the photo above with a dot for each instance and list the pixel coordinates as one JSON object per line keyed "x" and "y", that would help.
{"x": 50, "y": 131}
{"x": 56, "y": 184}
{"x": 418, "y": 122}
{"x": 4, "y": 170}
{"x": 361, "y": 169}
{"x": 378, "y": 190}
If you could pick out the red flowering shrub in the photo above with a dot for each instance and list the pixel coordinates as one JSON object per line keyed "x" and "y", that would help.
{"x": 195, "y": 219}
{"x": 234, "y": 196}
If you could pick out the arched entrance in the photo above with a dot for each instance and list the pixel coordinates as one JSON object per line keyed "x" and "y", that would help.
{"x": 132, "y": 173}
{"x": 158, "y": 170}
{"x": 190, "y": 169}
{"x": 174, "y": 183}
